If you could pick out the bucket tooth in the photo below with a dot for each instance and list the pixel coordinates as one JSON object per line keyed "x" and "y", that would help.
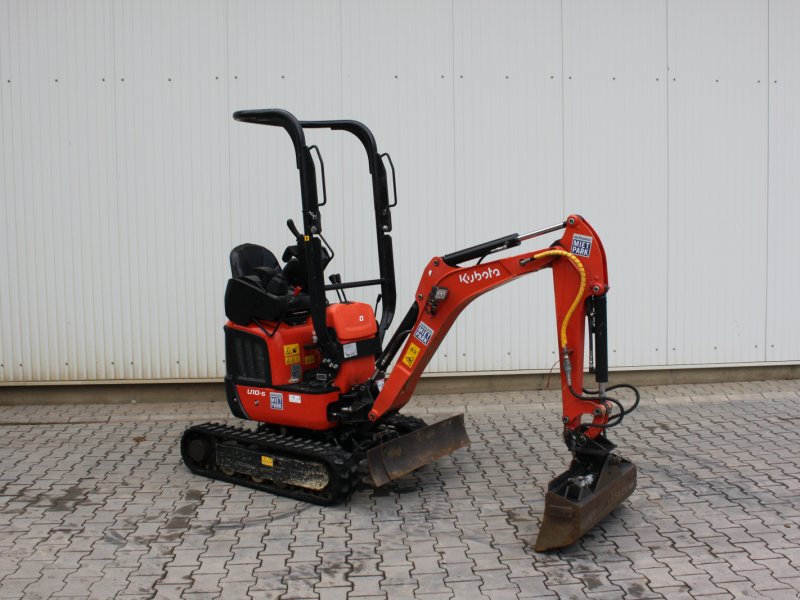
{"x": 403, "y": 454}
{"x": 581, "y": 497}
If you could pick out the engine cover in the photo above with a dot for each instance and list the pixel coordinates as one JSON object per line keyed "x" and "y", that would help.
{"x": 352, "y": 321}
{"x": 272, "y": 367}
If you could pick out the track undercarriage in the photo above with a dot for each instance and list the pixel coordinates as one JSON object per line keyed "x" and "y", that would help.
{"x": 318, "y": 467}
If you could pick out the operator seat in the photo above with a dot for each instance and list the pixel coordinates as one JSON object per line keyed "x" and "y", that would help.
{"x": 258, "y": 288}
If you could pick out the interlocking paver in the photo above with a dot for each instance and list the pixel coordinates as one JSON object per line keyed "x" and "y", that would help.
{"x": 367, "y": 586}
{"x": 94, "y": 503}
{"x": 333, "y": 593}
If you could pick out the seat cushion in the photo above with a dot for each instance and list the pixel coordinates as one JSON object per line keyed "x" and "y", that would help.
{"x": 246, "y": 299}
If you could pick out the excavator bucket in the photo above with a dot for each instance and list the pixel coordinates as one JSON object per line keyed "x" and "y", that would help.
{"x": 581, "y": 497}
{"x": 403, "y": 454}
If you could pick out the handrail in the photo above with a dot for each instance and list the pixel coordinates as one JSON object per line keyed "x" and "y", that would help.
{"x": 354, "y": 284}
{"x": 277, "y": 117}
{"x": 312, "y": 221}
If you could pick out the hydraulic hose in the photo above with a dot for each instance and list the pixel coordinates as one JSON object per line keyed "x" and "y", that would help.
{"x": 615, "y": 419}
{"x": 575, "y": 303}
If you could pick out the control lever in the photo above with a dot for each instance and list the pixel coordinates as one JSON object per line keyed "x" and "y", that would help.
{"x": 293, "y": 228}
{"x": 336, "y": 279}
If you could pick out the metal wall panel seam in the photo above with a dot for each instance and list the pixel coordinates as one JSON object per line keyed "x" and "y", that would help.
{"x": 714, "y": 124}
{"x": 767, "y": 196}
{"x": 784, "y": 98}
{"x": 500, "y": 140}
{"x": 611, "y": 98}
{"x": 6, "y": 158}
{"x": 667, "y": 353}
{"x": 34, "y": 290}
{"x": 767, "y": 190}
{"x": 11, "y": 348}
{"x": 122, "y": 228}
{"x": 22, "y": 359}
{"x": 127, "y": 223}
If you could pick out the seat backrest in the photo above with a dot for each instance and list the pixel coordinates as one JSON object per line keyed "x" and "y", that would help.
{"x": 246, "y": 258}
{"x": 295, "y": 268}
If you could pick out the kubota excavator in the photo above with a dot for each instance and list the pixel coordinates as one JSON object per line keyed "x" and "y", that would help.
{"x": 314, "y": 373}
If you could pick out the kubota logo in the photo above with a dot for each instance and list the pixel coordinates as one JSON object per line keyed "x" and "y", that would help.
{"x": 487, "y": 273}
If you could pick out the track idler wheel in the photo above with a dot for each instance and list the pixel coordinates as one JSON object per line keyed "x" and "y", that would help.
{"x": 596, "y": 483}
{"x": 198, "y": 449}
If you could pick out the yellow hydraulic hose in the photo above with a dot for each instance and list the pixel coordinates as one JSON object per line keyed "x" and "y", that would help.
{"x": 582, "y": 272}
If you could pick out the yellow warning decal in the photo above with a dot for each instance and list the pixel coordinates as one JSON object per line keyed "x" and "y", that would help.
{"x": 291, "y": 354}
{"x": 266, "y": 461}
{"x": 411, "y": 355}
{"x": 310, "y": 359}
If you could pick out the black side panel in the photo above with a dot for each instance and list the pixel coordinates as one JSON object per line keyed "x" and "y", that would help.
{"x": 233, "y": 400}
{"x": 247, "y": 359}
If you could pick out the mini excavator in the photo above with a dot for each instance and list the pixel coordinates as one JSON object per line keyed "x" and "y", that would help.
{"x": 314, "y": 374}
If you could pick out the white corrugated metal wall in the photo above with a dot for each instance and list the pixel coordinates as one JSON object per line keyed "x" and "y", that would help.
{"x": 672, "y": 125}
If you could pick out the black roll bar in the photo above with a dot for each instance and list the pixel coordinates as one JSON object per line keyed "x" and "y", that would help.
{"x": 312, "y": 222}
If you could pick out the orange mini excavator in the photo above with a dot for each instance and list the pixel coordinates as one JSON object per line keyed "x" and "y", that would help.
{"x": 314, "y": 373}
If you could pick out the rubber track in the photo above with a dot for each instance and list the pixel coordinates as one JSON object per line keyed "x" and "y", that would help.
{"x": 342, "y": 466}
{"x": 405, "y": 423}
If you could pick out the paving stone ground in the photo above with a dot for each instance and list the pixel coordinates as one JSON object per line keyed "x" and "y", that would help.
{"x": 94, "y": 502}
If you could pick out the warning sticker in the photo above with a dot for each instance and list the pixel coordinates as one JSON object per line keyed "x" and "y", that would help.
{"x": 267, "y": 461}
{"x": 309, "y": 359}
{"x": 295, "y": 399}
{"x": 423, "y": 333}
{"x": 350, "y": 350}
{"x": 296, "y": 373}
{"x": 291, "y": 354}
{"x": 276, "y": 400}
{"x": 581, "y": 245}
{"x": 411, "y": 355}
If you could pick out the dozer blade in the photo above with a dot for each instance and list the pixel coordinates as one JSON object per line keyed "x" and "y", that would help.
{"x": 402, "y": 455}
{"x": 581, "y": 497}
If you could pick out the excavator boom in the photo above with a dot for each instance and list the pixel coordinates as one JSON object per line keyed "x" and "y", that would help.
{"x": 446, "y": 288}
{"x": 598, "y": 480}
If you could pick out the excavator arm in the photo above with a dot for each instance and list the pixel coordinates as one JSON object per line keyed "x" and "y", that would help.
{"x": 580, "y": 278}
{"x": 597, "y": 480}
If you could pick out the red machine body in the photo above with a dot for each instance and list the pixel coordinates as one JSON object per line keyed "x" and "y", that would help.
{"x": 291, "y": 354}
